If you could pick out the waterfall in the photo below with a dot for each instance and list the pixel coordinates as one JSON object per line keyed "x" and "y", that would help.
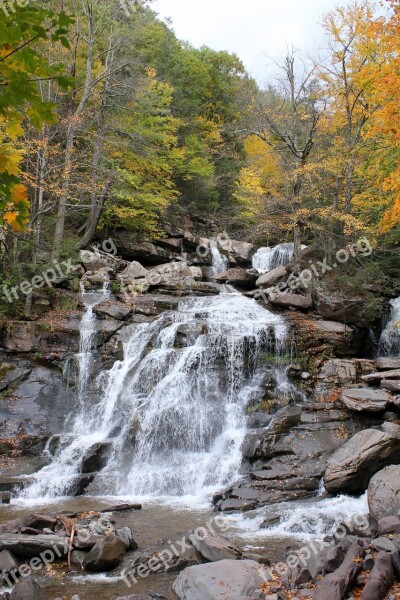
{"x": 389, "y": 344}
{"x": 266, "y": 259}
{"x": 174, "y": 409}
{"x": 219, "y": 261}
{"x": 87, "y": 334}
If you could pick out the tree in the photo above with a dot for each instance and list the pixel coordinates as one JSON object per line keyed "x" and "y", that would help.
{"x": 22, "y": 66}
{"x": 286, "y": 119}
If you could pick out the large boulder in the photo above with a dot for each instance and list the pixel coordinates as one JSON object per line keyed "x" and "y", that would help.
{"x": 219, "y": 581}
{"x": 106, "y": 554}
{"x": 365, "y": 399}
{"x": 384, "y": 493}
{"x": 337, "y": 373}
{"x": 239, "y": 277}
{"x": 133, "y": 271}
{"x": 27, "y": 589}
{"x": 240, "y": 252}
{"x": 351, "y": 467}
{"x": 338, "y": 306}
{"x": 214, "y": 547}
{"x": 272, "y": 277}
{"x": 289, "y": 300}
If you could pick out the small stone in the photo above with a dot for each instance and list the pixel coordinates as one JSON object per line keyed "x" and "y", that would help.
{"x": 383, "y": 543}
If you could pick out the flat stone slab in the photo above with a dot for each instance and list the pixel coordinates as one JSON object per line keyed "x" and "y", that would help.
{"x": 378, "y": 376}
{"x": 388, "y": 364}
{"x": 365, "y": 399}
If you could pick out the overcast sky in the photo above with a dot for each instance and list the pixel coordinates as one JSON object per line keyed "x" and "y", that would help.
{"x": 255, "y": 30}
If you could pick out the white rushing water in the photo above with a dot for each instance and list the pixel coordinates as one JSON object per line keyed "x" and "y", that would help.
{"x": 219, "y": 261}
{"x": 390, "y": 339}
{"x": 266, "y": 259}
{"x": 300, "y": 520}
{"x": 174, "y": 409}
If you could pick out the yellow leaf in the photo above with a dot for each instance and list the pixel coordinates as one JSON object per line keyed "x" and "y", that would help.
{"x": 9, "y": 160}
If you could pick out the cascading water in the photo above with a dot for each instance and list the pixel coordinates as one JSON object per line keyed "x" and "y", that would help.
{"x": 174, "y": 409}
{"x": 266, "y": 259}
{"x": 389, "y": 344}
{"x": 219, "y": 261}
{"x": 87, "y": 334}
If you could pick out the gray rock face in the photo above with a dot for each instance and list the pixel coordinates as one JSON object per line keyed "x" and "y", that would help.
{"x": 106, "y": 554}
{"x": 384, "y": 493}
{"x": 215, "y": 547}
{"x": 272, "y": 277}
{"x": 388, "y": 525}
{"x": 340, "y": 372}
{"x": 289, "y": 300}
{"x": 218, "y": 581}
{"x": 352, "y": 466}
{"x": 34, "y": 521}
{"x": 365, "y": 399}
{"x": 240, "y": 252}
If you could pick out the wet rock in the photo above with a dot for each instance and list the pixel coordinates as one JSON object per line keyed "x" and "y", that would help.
{"x": 365, "y": 399}
{"x": 80, "y": 484}
{"x": 197, "y": 273}
{"x": 96, "y": 458}
{"x": 77, "y": 560}
{"x": 121, "y": 508}
{"x": 388, "y": 525}
{"x": 5, "y": 497}
{"x": 27, "y": 589}
{"x": 286, "y": 299}
{"x": 126, "y": 535}
{"x": 272, "y": 277}
{"x": 106, "y": 554}
{"x": 34, "y": 521}
{"x": 381, "y": 578}
{"x": 218, "y": 581}
{"x": 112, "y": 310}
{"x": 214, "y": 547}
{"x": 351, "y": 467}
{"x": 337, "y": 585}
{"x": 238, "y": 277}
{"x": 232, "y": 505}
{"x": 342, "y": 372}
{"x": 29, "y": 546}
{"x": 384, "y": 493}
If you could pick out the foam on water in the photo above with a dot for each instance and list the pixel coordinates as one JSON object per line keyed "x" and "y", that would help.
{"x": 302, "y": 521}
